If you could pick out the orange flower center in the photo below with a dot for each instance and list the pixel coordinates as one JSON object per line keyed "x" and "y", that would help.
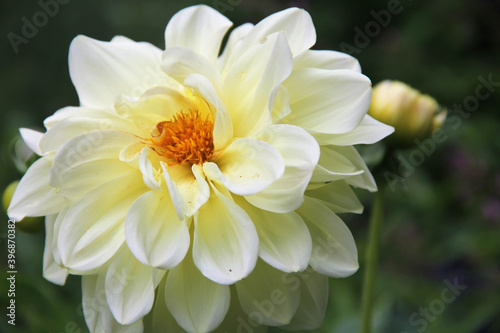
{"x": 186, "y": 139}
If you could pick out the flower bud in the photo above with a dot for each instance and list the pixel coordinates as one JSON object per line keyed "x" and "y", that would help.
{"x": 413, "y": 115}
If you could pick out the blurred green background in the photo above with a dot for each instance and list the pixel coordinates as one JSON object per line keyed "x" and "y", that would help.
{"x": 442, "y": 223}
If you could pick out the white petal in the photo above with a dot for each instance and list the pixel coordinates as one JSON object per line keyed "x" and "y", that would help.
{"x": 130, "y": 153}
{"x": 77, "y": 181}
{"x": 175, "y": 195}
{"x": 200, "y": 191}
{"x": 325, "y": 59}
{"x": 295, "y": 23}
{"x": 237, "y": 320}
{"x": 121, "y": 39}
{"x": 281, "y": 107}
{"x": 199, "y": 28}
{"x": 34, "y": 196}
{"x": 338, "y": 196}
{"x": 187, "y": 187}
{"x": 90, "y": 301}
{"x": 313, "y": 301}
{"x": 296, "y": 145}
{"x": 364, "y": 180}
{"x": 154, "y": 233}
{"x": 284, "y": 240}
{"x": 104, "y": 71}
{"x": 158, "y": 275}
{"x": 300, "y": 153}
{"x": 71, "y": 122}
{"x": 235, "y": 36}
{"x": 225, "y": 245}
{"x": 368, "y": 131}
{"x": 252, "y": 82}
{"x": 223, "y": 127}
{"x": 162, "y": 319}
{"x": 78, "y": 111}
{"x": 96, "y": 311}
{"x": 198, "y": 304}
{"x": 51, "y": 270}
{"x": 333, "y": 165}
{"x": 246, "y": 167}
{"x": 179, "y": 62}
{"x": 87, "y": 161}
{"x": 271, "y": 295}
{"x": 32, "y": 139}
{"x": 147, "y": 170}
{"x": 334, "y": 251}
{"x": 155, "y": 105}
{"x": 137, "y": 327}
{"x": 55, "y": 237}
{"x": 285, "y": 194}
{"x": 90, "y": 147}
{"x": 129, "y": 288}
{"x": 92, "y": 229}
{"x": 316, "y": 108}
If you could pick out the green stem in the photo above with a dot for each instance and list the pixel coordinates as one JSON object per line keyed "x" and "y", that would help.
{"x": 376, "y": 218}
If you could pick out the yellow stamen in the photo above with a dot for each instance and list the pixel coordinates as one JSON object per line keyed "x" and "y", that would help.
{"x": 186, "y": 139}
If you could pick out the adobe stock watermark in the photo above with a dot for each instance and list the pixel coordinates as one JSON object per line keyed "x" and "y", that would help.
{"x": 373, "y": 28}
{"x": 31, "y": 26}
{"x": 425, "y": 148}
{"x": 223, "y": 6}
{"x": 11, "y": 272}
{"x": 420, "y": 319}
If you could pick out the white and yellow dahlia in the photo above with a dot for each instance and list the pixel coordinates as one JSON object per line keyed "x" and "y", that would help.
{"x": 213, "y": 178}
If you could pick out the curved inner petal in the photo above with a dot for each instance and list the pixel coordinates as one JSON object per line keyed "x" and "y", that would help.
{"x": 154, "y": 233}
{"x": 225, "y": 245}
{"x": 246, "y": 167}
{"x": 199, "y": 28}
{"x": 252, "y": 82}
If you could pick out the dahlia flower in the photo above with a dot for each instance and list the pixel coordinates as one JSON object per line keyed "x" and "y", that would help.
{"x": 213, "y": 177}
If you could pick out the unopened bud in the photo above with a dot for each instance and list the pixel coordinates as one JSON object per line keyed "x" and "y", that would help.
{"x": 413, "y": 115}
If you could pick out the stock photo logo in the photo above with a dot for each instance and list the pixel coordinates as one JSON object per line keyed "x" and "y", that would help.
{"x": 31, "y": 25}
{"x": 421, "y": 320}
{"x": 201, "y": 188}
